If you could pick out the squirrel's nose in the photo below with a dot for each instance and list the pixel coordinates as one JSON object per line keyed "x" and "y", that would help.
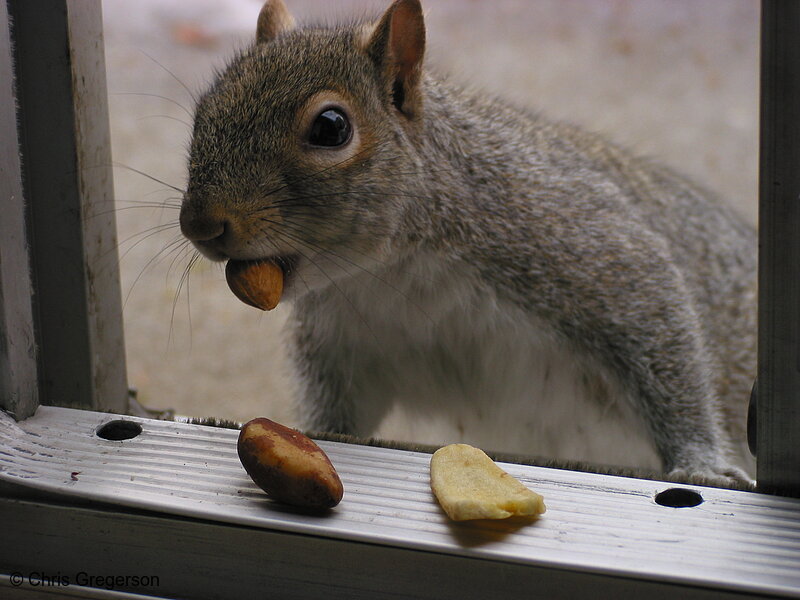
{"x": 202, "y": 226}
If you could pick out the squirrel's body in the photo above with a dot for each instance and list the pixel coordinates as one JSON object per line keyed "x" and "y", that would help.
{"x": 466, "y": 271}
{"x": 441, "y": 338}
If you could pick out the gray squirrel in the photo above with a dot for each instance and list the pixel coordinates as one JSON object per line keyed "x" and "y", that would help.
{"x": 464, "y": 270}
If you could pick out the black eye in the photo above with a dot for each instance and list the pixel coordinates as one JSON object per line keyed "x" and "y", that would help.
{"x": 331, "y": 128}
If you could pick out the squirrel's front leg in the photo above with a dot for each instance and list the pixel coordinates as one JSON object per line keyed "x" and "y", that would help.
{"x": 663, "y": 360}
{"x": 670, "y": 372}
{"x": 627, "y": 307}
{"x": 661, "y": 357}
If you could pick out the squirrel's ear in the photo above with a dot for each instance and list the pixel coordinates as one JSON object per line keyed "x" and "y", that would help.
{"x": 273, "y": 20}
{"x": 397, "y": 47}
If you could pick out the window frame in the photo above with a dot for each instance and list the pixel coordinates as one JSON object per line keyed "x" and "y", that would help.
{"x": 71, "y": 306}
{"x": 34, "y": 347}
{"x": 778, "y": 383}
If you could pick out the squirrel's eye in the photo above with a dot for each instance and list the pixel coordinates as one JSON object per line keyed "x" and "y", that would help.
{"x": 331, "y": 128}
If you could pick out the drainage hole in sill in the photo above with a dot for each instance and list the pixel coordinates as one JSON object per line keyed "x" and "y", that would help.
{"x": 119, "y": 430}
{"x": 679, "y": 498}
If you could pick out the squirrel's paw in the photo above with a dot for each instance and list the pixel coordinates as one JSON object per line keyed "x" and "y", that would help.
{"x": 725, "y": 475}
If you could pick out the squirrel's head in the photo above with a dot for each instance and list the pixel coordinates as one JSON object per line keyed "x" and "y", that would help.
{"x": 302, "y": 143}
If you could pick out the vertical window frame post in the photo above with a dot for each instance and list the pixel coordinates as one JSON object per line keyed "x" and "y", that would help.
{"x": 778, "y": 387}
{"x": 65, "y": 150}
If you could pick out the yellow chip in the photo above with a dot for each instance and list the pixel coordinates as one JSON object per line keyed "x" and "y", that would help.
{"x": 469, "y": 485}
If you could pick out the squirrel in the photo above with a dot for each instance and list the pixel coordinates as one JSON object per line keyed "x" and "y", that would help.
{"x": 462, "y": 269}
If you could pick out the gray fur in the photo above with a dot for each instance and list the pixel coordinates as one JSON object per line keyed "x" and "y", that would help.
{"x": 642, "y": 275}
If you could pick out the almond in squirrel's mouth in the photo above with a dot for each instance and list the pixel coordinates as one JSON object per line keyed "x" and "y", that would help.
{"x": 259, "y": 283}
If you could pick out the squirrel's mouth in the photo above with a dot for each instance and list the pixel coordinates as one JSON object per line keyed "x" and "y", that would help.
{"x": 287, "y": 263}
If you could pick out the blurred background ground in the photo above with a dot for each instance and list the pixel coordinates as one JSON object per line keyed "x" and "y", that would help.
{"x": 674, "y": 80}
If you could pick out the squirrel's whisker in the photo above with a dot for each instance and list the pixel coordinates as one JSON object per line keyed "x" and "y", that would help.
{"x": 177, "y": 243}
{"x": 170, "y": 117}
{"x": 171, "y": 100}
{"x": 284, "y": 233}
{"x": 192, "y": 95}
{"x": 184, "y": 279}
{"x": 333, "y": 282}
{"x": 144, "y": 235}
{"x": 127, "y": 208}
{"x": 143, "y": 174}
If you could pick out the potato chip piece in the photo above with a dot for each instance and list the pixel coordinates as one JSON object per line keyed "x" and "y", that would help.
{"x": 469, "y": 485}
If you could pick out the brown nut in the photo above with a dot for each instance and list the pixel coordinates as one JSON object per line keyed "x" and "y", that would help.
{"x": 258, "y": 283}
{"x": 288, "y": 465}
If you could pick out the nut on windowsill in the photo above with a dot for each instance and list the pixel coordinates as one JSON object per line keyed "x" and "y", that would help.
{"x": 288, "y": 465}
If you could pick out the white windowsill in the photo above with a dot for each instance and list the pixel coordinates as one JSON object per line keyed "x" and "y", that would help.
{"x": 734, "y": 541}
